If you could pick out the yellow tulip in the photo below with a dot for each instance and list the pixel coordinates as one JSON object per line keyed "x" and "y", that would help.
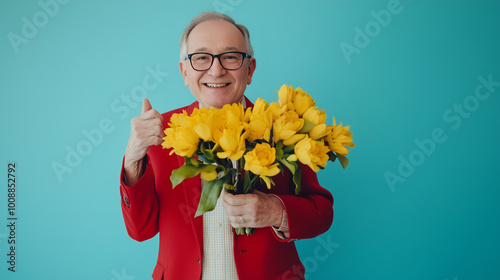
{"x": 232, "y": 143}
{"x": 286, "y": 95}
{"x": 314, "y": 115}
{"x": 260, "y": 121}
{"x": 339, "y": 139}
{"x": 319, "y": 131}
{"x": 184, "y": 141}
{"x": 287, "y": 125}
{"x": 202, "y": 122}
{"x": 260, "y": 161}
{"x": 311, "y": 153}
{"x": 232, "y": 115}
{"x": 168, "y": 140}
{"x": 259, "y": 129}
{"x": 302, "y": 101}
{"x": 176, "y": 120}
{"x": 260, "y": 106}
{"x": 293, "y": 139}
{"x": 276, "y": 110}
{"x": 203, "y": 131}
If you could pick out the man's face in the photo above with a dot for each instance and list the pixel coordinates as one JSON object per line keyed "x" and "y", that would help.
{"x": 217, "y": 86}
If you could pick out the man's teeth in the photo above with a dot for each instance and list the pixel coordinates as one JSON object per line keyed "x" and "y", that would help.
{"x": 217, "y": 85}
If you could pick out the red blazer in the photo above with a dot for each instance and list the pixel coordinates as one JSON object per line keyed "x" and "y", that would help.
{"x": 151, "y": 206}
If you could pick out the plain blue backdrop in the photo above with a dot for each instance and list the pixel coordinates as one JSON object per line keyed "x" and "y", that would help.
{"x": 418, "y": 81}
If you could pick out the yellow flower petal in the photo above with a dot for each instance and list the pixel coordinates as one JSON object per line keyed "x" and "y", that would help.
{"x": 312, "y": 153}
{"x": 286, "y": 95}
{"x": 319, "y": 131}
{"x": 294, "y": 139}
{"x": 339, "y": 138}
{"x": 209, "y": 176}
{"x": 302, "y": 101}
{"x": 261, "y": 160}
{"x": 203, "y": 131}
{"x": 267, "y": 181}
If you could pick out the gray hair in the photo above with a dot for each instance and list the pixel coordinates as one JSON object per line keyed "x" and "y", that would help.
{"x": 205, "y": 16}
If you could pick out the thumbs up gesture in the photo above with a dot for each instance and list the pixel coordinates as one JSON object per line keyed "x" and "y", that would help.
{"x": 146, "y": 130}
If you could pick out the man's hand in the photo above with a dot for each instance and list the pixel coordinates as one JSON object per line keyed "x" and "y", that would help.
{"x": 146, "y": 130}
{"x": 255, "y": 210}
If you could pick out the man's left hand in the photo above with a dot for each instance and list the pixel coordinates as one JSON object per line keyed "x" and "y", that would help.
{"x": 255, "y": 210}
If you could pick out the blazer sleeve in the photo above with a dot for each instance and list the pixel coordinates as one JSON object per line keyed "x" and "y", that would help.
{"x": 140, "y": 205}
{"x": 310, "y": 213}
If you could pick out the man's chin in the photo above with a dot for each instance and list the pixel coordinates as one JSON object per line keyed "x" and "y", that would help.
{"x": 209, "y": 103}
{"x": 216, "y": 103}
{"x": 217, "y": 99}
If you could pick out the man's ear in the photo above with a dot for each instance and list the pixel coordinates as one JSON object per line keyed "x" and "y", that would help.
{"x": 183, "y": 69}
{"x": 251, "y": 69}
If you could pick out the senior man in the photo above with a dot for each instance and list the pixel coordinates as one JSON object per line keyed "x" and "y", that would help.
{"x": 217, "y": 64}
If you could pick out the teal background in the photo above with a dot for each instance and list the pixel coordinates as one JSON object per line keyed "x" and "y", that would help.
{"x": 439, "y": 222}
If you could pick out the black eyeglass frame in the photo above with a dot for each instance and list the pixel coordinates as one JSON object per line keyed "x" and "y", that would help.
{"x": 245, "y": 55}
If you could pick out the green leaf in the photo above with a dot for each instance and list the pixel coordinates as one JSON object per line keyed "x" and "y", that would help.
{"x": 308, "y": 125}
{"x": 295, "y": 169}
{"x": 246, "y": 179}
{"x": 279, "y": 153}
{"x": 289, "y": 149}
{"x": 249, "y": 180}
{"x": 331, "y": 156}
{"x": 204, "y": 158}
{"x": 188, "y": 171}
{"x": 209, "y": 195}
{"x": 208, "y": 155}
{"x": 292, "y": 166}
{"x": 245, "y": 230}
{"x": 279, "y": 145}
{"x": 343, "y": 160}
{"x": 297, "y": 176}
{"x": 193, "y": 161}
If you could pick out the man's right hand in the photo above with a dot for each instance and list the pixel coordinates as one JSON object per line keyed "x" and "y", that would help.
{"x": 146, "y": 130}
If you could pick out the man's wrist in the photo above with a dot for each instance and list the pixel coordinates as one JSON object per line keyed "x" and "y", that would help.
{"x": 278, "y": 220}
{"x": 278, "y": 226}
{"x": 132, "y": 172}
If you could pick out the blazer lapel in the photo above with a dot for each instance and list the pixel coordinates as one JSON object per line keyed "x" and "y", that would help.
{"x": 192, "y": 194}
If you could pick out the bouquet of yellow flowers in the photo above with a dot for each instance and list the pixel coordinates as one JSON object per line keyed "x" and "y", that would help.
{"x": 221, "y": 144}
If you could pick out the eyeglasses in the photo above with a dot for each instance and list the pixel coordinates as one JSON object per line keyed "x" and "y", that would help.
{"x": 202, "y": 61}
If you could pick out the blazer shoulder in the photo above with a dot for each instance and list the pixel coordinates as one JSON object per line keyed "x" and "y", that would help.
{"x": 175, "y": 111}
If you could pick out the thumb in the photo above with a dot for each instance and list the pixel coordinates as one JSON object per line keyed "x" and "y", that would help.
{"x": 146, "y": 106}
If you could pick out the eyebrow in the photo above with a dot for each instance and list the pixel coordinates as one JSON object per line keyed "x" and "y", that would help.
{"x": 203, "y": 49}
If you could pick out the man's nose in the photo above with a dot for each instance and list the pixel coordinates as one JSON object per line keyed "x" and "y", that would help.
{"x": 216, "y": 70}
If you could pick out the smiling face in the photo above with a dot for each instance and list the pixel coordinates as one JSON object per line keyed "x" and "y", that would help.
{"x": 217, "y": 86}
